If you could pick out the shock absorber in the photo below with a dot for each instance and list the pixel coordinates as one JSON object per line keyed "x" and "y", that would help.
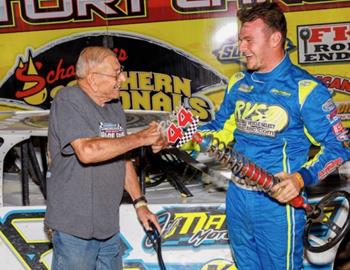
{"x": 243, "y": 168}
{"x": 185, "y": 128}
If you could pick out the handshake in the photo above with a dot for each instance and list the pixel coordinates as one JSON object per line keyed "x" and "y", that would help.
{"x": 177, "y": 131}
{"x": 154, "y": 136}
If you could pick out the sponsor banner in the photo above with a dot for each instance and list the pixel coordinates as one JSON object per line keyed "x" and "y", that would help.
{"x": 302, "y": 5}
{"x": 33, "y": 15}
{"x": 323, "y": 43}
{"x": 340, "y": 87}
{"x": 155, "y": 85}
{"x": 175, "y": 51}
{"x": 343, "y": 109}
{"x": 335, "y": 83}
{"x": 194, "y": 236}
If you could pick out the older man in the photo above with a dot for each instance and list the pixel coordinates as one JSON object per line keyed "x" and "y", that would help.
{"x": 89, "y": 169}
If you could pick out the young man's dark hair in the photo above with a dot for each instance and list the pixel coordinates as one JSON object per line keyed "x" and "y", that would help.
{"x": 270, "y": 13}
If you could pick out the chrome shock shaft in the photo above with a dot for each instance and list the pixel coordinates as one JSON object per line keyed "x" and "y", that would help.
{"x": 242, "y": 167}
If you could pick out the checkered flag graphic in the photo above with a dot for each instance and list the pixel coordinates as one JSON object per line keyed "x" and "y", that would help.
{"x": 190, "y": 131}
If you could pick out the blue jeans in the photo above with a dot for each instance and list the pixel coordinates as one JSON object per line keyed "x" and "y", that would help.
{"x": 70, "y": 252}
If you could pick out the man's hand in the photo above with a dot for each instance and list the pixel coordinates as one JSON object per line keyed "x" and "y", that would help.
{"x": 287, "y": 189}
{"x": 150, "y": 135}
{"x": 160, "y": 144}
{"x": 146, "y": 217}
{"x": 155, "y": 137}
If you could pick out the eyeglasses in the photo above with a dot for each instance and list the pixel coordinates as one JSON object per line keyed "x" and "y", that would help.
{"x": 116, "y": 76}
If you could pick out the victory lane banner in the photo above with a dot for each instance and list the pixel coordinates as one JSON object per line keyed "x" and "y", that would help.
{"x": 194, "y": 237}
{"x": 166, "y": 78}
{"x": 175, "y": 51}
{"x": 199, "y": 231}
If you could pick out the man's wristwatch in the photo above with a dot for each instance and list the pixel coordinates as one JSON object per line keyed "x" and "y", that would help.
{"x": 140, "y": 201}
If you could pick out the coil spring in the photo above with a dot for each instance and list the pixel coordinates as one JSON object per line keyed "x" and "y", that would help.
{"x": 241, "y": 166}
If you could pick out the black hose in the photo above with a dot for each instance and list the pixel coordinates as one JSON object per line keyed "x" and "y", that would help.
{"x": 156, "y": 240}
{"x": 158, "y": 249}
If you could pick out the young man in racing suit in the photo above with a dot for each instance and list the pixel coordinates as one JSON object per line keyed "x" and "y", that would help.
{"x": 274, "y": 111}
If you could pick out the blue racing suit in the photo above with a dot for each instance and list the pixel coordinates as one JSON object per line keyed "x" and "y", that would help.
{"x": 273, "y": 119}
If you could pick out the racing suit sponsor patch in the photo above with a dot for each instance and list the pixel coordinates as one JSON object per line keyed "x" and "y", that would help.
{"x": 330, "y": 167}
{"x": 328, "y": 106}
{"x": 343, "y": 137}
{"x": 245, "y": 88}
{"x": 260, "y": 118}
{"x": 332, "y": 116}
{"x": 280, "y": 92}
{"x": 338, "y": 128}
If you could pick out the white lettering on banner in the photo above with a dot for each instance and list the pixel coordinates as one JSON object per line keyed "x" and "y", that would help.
{"x": 250, "y": 2}
{"x": 292, "y": 3}
{"x": 135, "y": 5}
{"x": 308, "y": 2}
{"x": 32, "y": 11}
{"x": 198, "y": 3}
{"x": 208, "y": 235}
{"x": 189, "y": 6}
{"x": 4, "y": 11}
{"x": 324, "y": 43}
{"x": 83, "y": 9}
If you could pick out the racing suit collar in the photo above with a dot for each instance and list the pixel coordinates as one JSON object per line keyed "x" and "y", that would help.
{"x": 278, "y": 71}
